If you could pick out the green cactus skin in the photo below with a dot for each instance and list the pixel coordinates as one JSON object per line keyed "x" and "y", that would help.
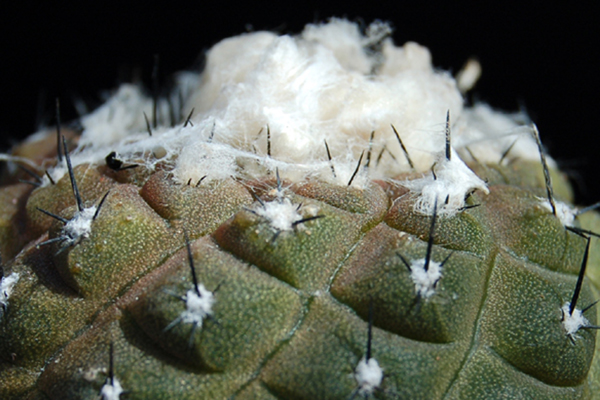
{"x": 291, "y": 310}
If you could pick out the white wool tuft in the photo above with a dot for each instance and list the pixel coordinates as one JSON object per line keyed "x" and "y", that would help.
{"x": 7, "y": 283}
{"x": 55, "y": 173}
{"x": 197, "y": 307}
{"x": 79, "y": 227}
{"x": 572, "y": 323}
{"x": 425, "y": 280}
{"x": 199, "y": 159}
{"x": 122, "y": 113}
{"x": 281, "y": 214}
{"x": 111, "y": 391}
{"x": 368, "y": 375}
{"x": 564, "y": 212}
{"x": 446, "y": 187}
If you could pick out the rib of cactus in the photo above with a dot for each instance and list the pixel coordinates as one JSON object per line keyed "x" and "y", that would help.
{"x": 144, "y": 284}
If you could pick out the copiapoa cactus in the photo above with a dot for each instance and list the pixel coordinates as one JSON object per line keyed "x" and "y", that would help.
{"x": 311, "y": 217}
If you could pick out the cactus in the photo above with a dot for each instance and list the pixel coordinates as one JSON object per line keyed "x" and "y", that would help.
{"x": 312, "y": 217}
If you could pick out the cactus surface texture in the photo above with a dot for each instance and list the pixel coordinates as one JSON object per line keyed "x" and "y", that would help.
{"x": 323, "y": 216}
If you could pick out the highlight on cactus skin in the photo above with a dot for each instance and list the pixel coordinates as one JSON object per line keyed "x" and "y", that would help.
{"x": 353, "y": 227}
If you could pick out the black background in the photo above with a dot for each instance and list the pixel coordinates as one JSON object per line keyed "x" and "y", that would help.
{"x": 540, "y": 57}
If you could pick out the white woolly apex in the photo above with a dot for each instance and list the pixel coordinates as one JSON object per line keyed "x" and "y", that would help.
{"x": 197, "y": 307}
{"x": 111, "y": 390}
{"x": 7, "y": 283}
{"x": 425, "y": 280}
{"x": 447, "y": 186}
{"x": 368, "y": 375}
{"x": 281, "y": 213}
{"x": 325, "y": 84}
{"x": 565, "y": 213}
{"x": 573, "y": 323}
{"x": 79, "y": 227}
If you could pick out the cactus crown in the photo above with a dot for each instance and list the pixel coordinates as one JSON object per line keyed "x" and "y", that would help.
{"x": 332, "y": 102}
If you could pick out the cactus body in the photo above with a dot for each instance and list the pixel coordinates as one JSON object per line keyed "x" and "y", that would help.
{"x": 359, "y": 271}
